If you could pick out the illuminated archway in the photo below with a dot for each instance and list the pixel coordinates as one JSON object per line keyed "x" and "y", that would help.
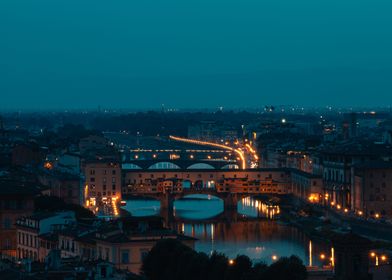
{"x": 164, "y": 165}
{"x": 129, "y": 166}
{"x": 201, "y": 166}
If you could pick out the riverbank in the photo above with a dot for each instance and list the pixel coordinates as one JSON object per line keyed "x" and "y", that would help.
{"x": 322, "y": 224}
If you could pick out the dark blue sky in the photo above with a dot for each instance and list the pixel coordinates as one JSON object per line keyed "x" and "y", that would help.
{"x": 194, "y": 53}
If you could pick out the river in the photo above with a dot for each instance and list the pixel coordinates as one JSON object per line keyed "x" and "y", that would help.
{"x": 255, "y": 230}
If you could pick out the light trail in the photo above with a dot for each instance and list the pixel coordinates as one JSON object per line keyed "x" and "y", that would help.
{"x": 205, "y": 143}
{"x": 252, "y": 151}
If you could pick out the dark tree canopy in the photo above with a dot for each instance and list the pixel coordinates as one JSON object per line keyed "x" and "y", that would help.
{"x": 172, "y": 260}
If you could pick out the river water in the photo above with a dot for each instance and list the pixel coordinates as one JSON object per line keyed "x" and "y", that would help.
{"x": 254, "y": 230}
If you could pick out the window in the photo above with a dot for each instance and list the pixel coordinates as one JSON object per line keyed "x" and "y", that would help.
{"x": 92, "y": 172}
{"x": 114, "y": 180}
{"x": 92, "y": 179}
{"x": 113, "y": 172}
{"x": 124, "y": 256}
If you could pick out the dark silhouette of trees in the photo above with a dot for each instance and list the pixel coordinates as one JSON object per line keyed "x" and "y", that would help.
{"x": 287, "y": 268}
{"x": 172, "y": 260}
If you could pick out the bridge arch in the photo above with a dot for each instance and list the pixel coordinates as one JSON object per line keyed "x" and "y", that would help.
{"x": 200, "y": 165}
{"x": 129, "y": 166}
{"x": 164, "y": 165}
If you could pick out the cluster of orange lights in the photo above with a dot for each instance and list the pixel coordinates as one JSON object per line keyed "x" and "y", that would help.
{"x": 114, "y": 205}
{"x": 324, "y": 257}
{"x": 377, "y": 258}
{"x": 48, "y": 165}
{"x": 252, "y": 151}
{"x": 313, "y": 198}
{"x": 357, "y": 212}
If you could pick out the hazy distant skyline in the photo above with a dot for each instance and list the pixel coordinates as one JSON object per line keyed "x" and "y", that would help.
{"x": 196, "y": 53}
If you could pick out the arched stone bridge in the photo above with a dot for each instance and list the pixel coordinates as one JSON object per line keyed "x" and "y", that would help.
{"x": 179, "y": 164}
{"x": 230, "y": 200}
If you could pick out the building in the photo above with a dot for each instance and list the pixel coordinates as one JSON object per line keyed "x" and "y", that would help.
{"x": 338, "y": 162}
{"x": 307, "y": 186}
{"x": 92, "y": 142}
{"x": 16, "y": 200}
{"x": 27, "y": 154}
{"x": 66, "y": 186}
{"x": 69, "y": 163}
{"x": 124, "y": 242}
{"x": 212, "y": 131}
{"x": 372, "y": 191}
{"x": 31, "y": 228}
{"x": 271, "y": 180}
{"x": 102, "y": 182}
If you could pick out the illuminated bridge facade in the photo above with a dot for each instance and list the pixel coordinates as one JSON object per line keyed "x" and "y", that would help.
{"x": 229, "y": 185}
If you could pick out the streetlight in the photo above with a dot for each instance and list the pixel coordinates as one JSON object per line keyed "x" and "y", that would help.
{"x": 274, "y": 257}
{"x": 377, "y": 258}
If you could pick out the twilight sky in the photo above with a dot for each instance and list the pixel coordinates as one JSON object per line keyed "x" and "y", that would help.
{"x": 194, "y": 53}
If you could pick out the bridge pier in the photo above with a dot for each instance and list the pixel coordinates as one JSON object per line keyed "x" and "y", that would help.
{"x": 230, "y": 201}
{"x": 166, "y": 211}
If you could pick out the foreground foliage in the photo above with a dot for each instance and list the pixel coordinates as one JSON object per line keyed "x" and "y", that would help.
{"x": 172, "y": 260}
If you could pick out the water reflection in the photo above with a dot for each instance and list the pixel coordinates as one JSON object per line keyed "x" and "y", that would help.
{"x": 252, "y": 207}
{"x": 261, "y": 239}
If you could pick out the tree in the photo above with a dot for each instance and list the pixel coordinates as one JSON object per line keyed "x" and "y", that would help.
{"x": 290, "y": 268}
{"x": 169, "y": 259}
{"x": 241, "y": 269}
{"x": 217, "y": 266}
